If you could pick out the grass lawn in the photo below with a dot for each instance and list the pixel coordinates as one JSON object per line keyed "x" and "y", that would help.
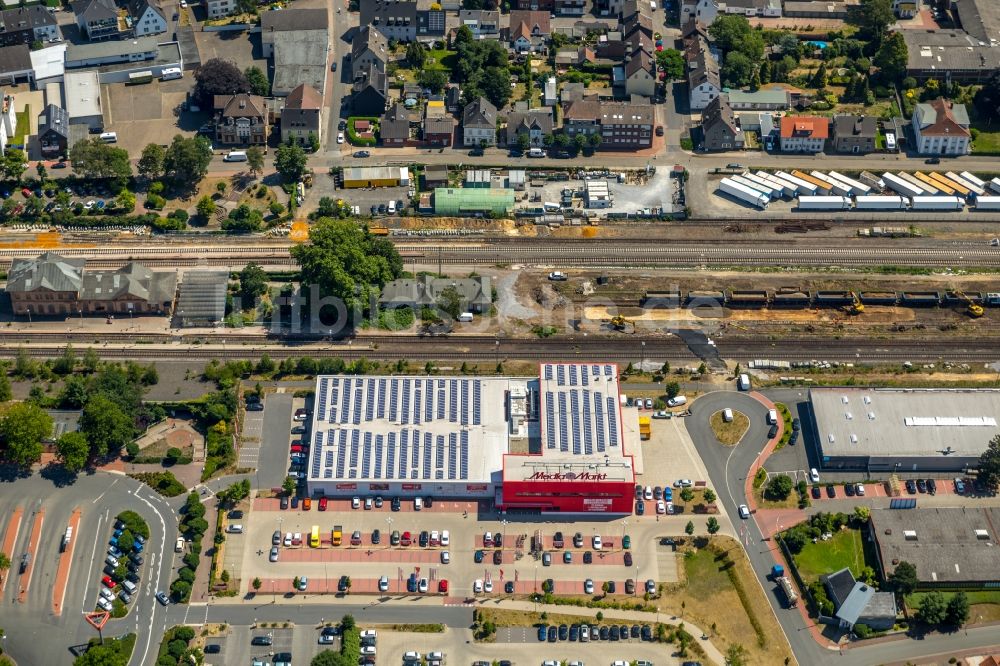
{"x": 984, "y": 605}
{"x": 442, "y": 59}
{"x": 845, "y": 549}
{"x": 730, "y": 433}
{"x": 23, "y": 125}
{"x": 987, "y": 142}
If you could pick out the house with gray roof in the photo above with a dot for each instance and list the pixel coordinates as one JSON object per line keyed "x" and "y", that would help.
{"x": 854, "y": 134}
{"x": 856, "y": 602}
{"x": 98, "y": 19}
{"x": 369, "y": 47}
{"x": 148, "y": 17}
{"x": 534, "y": 124}
{"x": 719, "y": 128}
{"x": 302, "y": 115}
{"x": 474, "y": 294}
{"x": 53, "y": 131}
{"x": 479, "y": 123}
{"x": 704, "y": 83}
{"x": 24, "y": 25}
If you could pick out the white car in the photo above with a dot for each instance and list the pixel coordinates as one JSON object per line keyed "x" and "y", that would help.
{"x": 588, "y": 586}
{"x": 355, "y": 502}
{"x": 445, "y": 557}
{"x": 488, "y": 586}
{"x": 683, "y": 483}
{"x": 422, "y": 585}
{"x": 670, "y": 508}
{"x": 383, "y": 584}
{"x": 104, "y": 604}
{"x": 411, "y": 656}
{"x": 274, "y": 554}
{"x": 648, "y": 492}
{"x": 445, "y": 538}
{"x": 597, "y": 542}
{"x": 391, "y": 208}
{"x": 340, "y": 137}
{"x": 435, "y": 538}
{"x": 744, "y": 511}
{"x": 184, "y": 3}
{"x": 288, "y": 539}
{"x": 661, "y": 507}
{"x": 303, "y": 583}
{"x": 368, "y": 649}
{"x": 557, "y": 276}
{"x": 107, "y": 594}
{"x": 477, "y": 585}
{"x": 861, "y": 489}
{"x": 814, "y": 475}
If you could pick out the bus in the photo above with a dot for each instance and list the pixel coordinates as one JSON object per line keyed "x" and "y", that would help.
{"x": 145, "y": 76}
{"x": 314, "y": 537}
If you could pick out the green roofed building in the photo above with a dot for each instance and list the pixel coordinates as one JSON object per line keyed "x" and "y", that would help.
{"x": 469, "y": 201}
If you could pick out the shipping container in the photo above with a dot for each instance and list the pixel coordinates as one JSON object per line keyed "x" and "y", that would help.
{"x": 765, "y": 186}
{"x": 947, "y": 184}
{"x": 937, "y": 203}
{"x": 872, "y": 180}
{"x": 987, "y": 203}
{"x": 743, "y": 193}
{"x": 857, "y": 188}
{"x": 745, "y": 182}
{"x": 879, "y": 202}
{"x": 974, "y": 190}
{"x": 825, "y": 202}
{"x": 834, "y": 187}
{"x": 916, "y": 182}
{"x": 972, "y": 178}
{"x": 931, "y": 185}
{"x": 995, "y": 185}
{"x": 904, "y": 187}
{"x": 787, "y": 188}
{"x": 822, "y": 186}
{"x": 801, "y": 186}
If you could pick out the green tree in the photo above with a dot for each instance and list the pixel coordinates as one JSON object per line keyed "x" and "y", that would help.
{"x": 779, "y": 487}
{"x": 687, "y": 494}
{"x": 256, "y": 584}
{"x": 125, "y": 201}
{"x": 150, "y": 165}
{"x": 434, "y": 79}
{"x": 253, "y": 284}
{"x": 495, "y": 85}
{"x": 450, "y": 302}
{"x": 290, "y": 162}
{"x": 416, "y": 54}
{"x": 23, "y": 428}
{"x": 102, "y": 655}
{"x": 689, "y": 528}
{"x": 73, "y": 449}
{"x": 672, "y": 389}
{"x": 712, "y": 525}
{"x": 737, "y": 70}
{"x": 106, "y": 426}
{"x": 205, "y": 207}
{"x": 819, "y": 78}
{"x": 5, "y": 391}
{"x": 736, "y": 655}
{"x": 347, "y": 262}
{"x": 875, "y": 18}
{"x": 15, "y": 163}
{"x": 957, "y": 612}
{"x": 989, "y": 464}
{"x": 987, "y": 99}
{"x": 329, "y": 658}
{"x": 92, "y": 158}
{"x": 289, "y": 485}
{"x": 904, "y": 578}
{"x": 892, "y": 57}
{"x": 255, "y": 160}
{"x": 186, "y": 161}
{"x": 243, "y": 219}
{"x": 932, "y": 608}
{"x": 672, "y": 63}
{"x": 259, "y": 85}
{"x": 708, "y": 495}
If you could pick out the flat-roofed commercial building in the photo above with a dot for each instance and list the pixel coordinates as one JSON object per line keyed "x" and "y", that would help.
{"x": 903, "y": 430}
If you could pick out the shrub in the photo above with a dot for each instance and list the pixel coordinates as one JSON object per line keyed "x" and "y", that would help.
{"x": 779, "y": 487}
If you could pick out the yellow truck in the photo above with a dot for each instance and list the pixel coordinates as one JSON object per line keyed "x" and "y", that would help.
{"x": 644, "y": 427}
{"x": 338, "y": 534}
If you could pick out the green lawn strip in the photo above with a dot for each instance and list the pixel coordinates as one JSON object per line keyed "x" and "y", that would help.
{"x": 443, "y": 59}
{"x": 23, "y": 128}
{"x": 844, "y": 549}
{"x": 709, "y": 571}
{"x": 974, "y": 596}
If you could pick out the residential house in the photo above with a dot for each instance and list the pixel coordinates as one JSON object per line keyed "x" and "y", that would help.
{"x": 608, "y": 7}
{"x": 570, "y": 7}
{"x": 394, "y": 130}
{"x": 240, "y": 119}
{"x": 302, "y": 116}
{"x": 369, "y": 47}
{"x": 854, "y": 134}
{"x": 905, "y": 9}
{"x": 856, "y": 602}
{"x": 640, "y": 74}
{"x": 16, "y": 64}
{"x": 453, "y": 98}
{"x": 475, "y": 294}
{"x": 298, "y": 41}
{"x": 621, "y": 126}
{"x": 26, "y": 25}
{"x": 54, "y": 285}
{"x": 941, "y": 127}
{"x": 804, "y": 134}
{"x": 369, "y": 92}
{"x": 762, "y": 100}
{"x": 704, "y": 11}
{"x": 719, "y": 128}
{"x": 484, "y": 24}
{"x": 148, "y": 18}
{"x": 574, "y": 55}
{"x": 435, "y": 175}
{"x": 537, "y": 5}
{"x": 431, "y": 23}
{"x": 692, "y": 29}
{"x": 439, "y": 126}
{"x": 529, "y": 30}
{"x": 479, "y": 123}
{"x": 750, "y": 8}
{"x": 534, "y": 124}
{"x": 824, "y": 9}
{"x": 704, "y": 83}
{"x": 637, "y": 22}
{"x": 53, "y": 131}
{"x": 395, "y": 20}
{"x": 98, "y": 19}
{"x": 549, "y": 95}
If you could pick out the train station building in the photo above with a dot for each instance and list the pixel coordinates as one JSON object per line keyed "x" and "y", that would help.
{"x": 903, "y": 430}
{"x": 560, "y": 442}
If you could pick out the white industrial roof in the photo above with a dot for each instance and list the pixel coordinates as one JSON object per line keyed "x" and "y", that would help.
{"x": 82, "y": 94}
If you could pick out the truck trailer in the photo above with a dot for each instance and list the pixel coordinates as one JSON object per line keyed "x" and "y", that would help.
{"x": 832, "y": 185}
{"x": 974, "y": 179}
{"x": 787, "y": 188}
{"x": 743, "y": 193}
{"x": 995, "y": 185}
{"x": 901, "y": 185}
{"x": 973, "y": 189}
{"x": 871, "y": 180}
{"x": 987, "y": 203}
{"x": 856, "y": 187}
{"x": 824, "y": 202}
{"x": 801, "y": 186}
{"x": 765, "y": 186}
{"x": 746, "y": 182}
{"x": 937, "y": 203}
{"x": 880, "y": 202}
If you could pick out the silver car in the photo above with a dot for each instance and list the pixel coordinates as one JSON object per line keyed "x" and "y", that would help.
{"x": 274, "y": 554}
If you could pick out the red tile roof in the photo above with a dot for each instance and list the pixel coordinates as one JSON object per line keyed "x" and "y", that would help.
{"x": 805, "y": 126}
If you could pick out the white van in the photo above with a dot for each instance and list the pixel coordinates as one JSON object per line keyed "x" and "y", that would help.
{"x": 171, "y": 73}
{"x": 727, "y": 415}
{"x": 536, "y": 152}
{"x": 235, "y": 529}
{"x": 743, "y": 383}
{"x": 772, "y": 416}
{"x": 179, "y": 545}
{"x": 418, "y": 503}
{"x": 391, "y": 208}
{"x": 129, "y": 586}
{"x": 109, "y": 137}
{"x": 465, "y": 316}
{"x": 677, "y": 401}
{"x": 235, "y": 156}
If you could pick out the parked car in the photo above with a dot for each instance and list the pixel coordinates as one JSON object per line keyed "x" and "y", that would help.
{"x": 911, "y": 486}
{"x": 849, "y": 489}
{"x": 959, "y": 486}
{"x": 932, "y": 486}
{"x": 922, "y": 485}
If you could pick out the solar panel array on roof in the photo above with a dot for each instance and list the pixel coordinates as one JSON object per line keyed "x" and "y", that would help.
{"x": 577, "y": 419}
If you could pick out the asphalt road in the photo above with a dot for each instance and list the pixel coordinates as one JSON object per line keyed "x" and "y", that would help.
{"x": 275, "y": 441}
{"x": 727, "y": 469}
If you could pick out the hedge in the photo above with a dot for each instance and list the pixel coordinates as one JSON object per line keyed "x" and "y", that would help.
{"x": 353, "y": 137}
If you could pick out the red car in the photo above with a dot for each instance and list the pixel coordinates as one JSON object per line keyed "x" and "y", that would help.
{"x": 108, "y": 583}
{"x": 27, "y": 193}
{"x": 406, "y": 540}
{"x": 443, "y": 586}
{"x": 296, "y": 448}
{"x": 322, "y": 504}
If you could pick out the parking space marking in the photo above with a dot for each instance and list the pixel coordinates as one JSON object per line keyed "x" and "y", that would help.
{"x": 9, "y": 539}
{"x": 65, "y": 563}
{"x": 93, "y": 552}
{"x": 36, "y": 535}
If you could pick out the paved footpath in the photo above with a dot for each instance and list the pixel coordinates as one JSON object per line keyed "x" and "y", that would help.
{"x": 9, "y": 540}
{"x": 65, "y": 562}
{"x": 36, "y": 535}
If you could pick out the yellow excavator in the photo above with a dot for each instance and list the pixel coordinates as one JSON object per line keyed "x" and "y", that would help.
{"x": 620, "y": 323}
{"x": 973, "y": 309}
{"x": 856, "y": 307}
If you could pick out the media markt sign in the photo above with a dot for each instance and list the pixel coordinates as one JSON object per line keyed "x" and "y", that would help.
{"x": 569, "y": 476}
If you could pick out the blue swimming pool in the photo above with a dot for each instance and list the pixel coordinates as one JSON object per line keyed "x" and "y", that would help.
{"x": 819, "y": 45}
